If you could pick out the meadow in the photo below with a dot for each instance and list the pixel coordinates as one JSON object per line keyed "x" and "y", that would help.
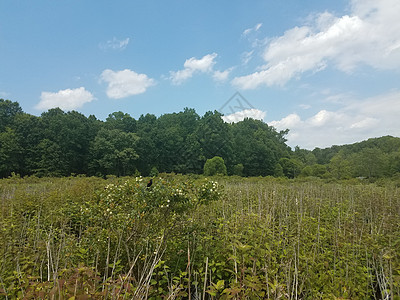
{"x": 191, "y": 237}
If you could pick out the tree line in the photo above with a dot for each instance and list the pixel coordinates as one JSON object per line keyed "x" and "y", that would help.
{"x": 59, "y": 143}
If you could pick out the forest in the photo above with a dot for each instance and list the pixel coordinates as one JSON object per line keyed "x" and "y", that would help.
{"x": 59, "y": 143}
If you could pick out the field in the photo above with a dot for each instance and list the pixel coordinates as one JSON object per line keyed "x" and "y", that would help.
{"x": 198, "y": 238}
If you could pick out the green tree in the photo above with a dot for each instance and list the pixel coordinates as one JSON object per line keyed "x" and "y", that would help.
{"x": 340, "y": 167}
{"x": 215, "y": 138}
{"x": 238, "y": 169}
{"x": 179, "y": 149}
{"x": 121, "y": 121}
{"x": 10, "y": 152}
{"x": 8, "y": 111}
{"x": 50, "y": 161}
{"x": 72, "y": 132}
{"x": 147, "y": 148}
{"x": 394, "y": 163}
{"x": 305, "y": 156}
{"x": 215, "y": 166}
{"x": 278, "y": 171}
{"x": 257, "y": 146}
{"x": 29, "y": 131}
{"x": 113, "y": 152}
{"x": 291, "y": 167}
{"x": 153, "y": 172}
{"x": 370, "y": 162}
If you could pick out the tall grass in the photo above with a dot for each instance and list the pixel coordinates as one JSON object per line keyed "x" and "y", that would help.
{"x": 191, "y": 238}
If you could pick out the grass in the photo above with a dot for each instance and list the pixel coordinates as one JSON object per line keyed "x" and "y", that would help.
{"x": 197, "y": 238}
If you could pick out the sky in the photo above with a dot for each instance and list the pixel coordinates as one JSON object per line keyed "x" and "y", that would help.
{"x": 329, "y": 71}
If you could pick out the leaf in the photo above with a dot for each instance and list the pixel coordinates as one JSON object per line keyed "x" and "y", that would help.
{"x": 220, "y": 285}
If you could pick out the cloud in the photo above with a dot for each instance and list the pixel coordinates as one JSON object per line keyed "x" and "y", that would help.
{"x": 125, "y": 83}
{"x": 247, "y": 113}
{"x": 221, "y": 76}
{"x": 355, "y": 121}
{"x": 370, "y": 35}
{"x": 247, "y": 56}
{"x": 248, "y": 31}
{"x": 68, "y": 99}
{"x": 192, "y": 66}
{"x": 305, "y": 106}
{"x": 115, "y": 44}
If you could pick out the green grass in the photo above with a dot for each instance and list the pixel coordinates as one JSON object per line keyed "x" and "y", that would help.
{"x": 198, "y": 238}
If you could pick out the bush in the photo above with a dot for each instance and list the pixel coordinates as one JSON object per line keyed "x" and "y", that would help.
{"x": 215, "y": 166}
{"x": 153, "y": 172}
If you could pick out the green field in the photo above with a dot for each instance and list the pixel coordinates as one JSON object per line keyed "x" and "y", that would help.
{"x": 191, "y": 237}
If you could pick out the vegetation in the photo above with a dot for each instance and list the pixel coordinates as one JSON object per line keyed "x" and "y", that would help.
{"x": 59, "y": 143}
{"x": 65, "y": 143}
{"x": 194, "y": 238}
{"x": 215, "y": 166}
{"x": 309, "y": 226}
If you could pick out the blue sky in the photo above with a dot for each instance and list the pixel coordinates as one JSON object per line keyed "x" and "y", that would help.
{"x": 327, "y": 70}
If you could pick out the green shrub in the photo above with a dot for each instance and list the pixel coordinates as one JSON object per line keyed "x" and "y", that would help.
{"x": 215, "y": 166}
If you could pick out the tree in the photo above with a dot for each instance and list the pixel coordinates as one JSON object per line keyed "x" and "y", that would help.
{"x": 8, "y": 111}
{"x": 257, "y": 146}
{"x": 50, "y": 161}
{"x": 215, "y": 166}
{"x": 121, "y": 121}
{"x": 72, "y": 132}
{"x": 238, "y": 170}
{"x": 215, "y": 137}
{"x": 10, "y": 152}
{"x": 177, "y": 146}
{"x": 113, "y": 152}
{"x": 278, "y": 171}
{"x": 146, "y": 145}
{"x": 340, "y": 166}
{"x": 29, "y": 132}
{"x": 370, "y": 162}
{"x": 291, "y": 167}
{"x": 153, "y": 172}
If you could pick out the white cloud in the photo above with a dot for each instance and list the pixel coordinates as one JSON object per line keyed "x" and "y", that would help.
{"x": 355, "y": 121}
{"x": 247, "y": 31}
{"x": 192, "y": 66}
{"x": 247, "y": 113}
{"x": 115, "y": 44}
{"x": 221, "y": 76}
{"x": 305, "y": 106}
{"x": 368, "y": 36}
{"x": 125, "y": 83}
{"x": 68, "y": 99}
{"x": 290, "y": 121}
{"x": 247, "y": 56}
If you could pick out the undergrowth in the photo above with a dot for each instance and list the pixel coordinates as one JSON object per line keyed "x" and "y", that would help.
{"x": 198, "y": 238}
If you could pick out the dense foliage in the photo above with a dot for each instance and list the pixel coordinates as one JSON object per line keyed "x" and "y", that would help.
{"x": 59, "y": 143}
{"x": 195, "y": 238}
{"x": 215, "y": 166}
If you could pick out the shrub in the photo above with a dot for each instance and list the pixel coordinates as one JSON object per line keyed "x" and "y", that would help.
{"x": 215, "y": 166}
